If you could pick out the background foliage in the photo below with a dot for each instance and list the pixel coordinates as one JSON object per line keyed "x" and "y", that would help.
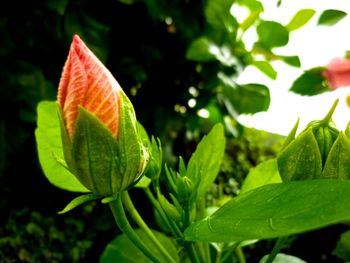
{"x": 164, "y": 54}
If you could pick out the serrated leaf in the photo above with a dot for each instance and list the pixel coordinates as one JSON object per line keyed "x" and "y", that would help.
{"x": 266, "y": 68}
{"x": 272, "y": 34}
{"x": 310, "y": 83}
{"x": 49, "y": 145}
{"x": 300, "y": 19}
{"x": 276, "y": 210}
{"x": 301, "y": 159}
{"x": 122, "y": 250}
{"x": 263, "y": 174}
{"x": 331, "y": 17}
{"x": 205, "y": 162}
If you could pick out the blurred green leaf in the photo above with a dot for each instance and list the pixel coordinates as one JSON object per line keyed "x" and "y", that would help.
{"x": 291, "y": 60}
{"x": 300, "y": 19}
{"x": 263, "y": 174}
{"x": 272, "y": 34}
{"x": 276, "y": 210}
{"x": 283, "y": 258}
{"x": 49, "y": 145}
{"x": 202, "y": 50}
{"x": 58, "y": 6}
{"x": 92, "y": 32}
{"x": 248, "y": 98}
{"x": 252, "y": 5}
{"x": 205, "y": 162}
{"x": 342, "y": 249}
{"x": 266, "y": 68}
{"x": 218, "y": 15}
{"x": 310, "y": 83}
{"x": 331, "y": 17}
{"x": 122, "y": 250}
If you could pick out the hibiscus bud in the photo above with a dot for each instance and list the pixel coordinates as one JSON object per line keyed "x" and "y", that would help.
{"x": 337, "y": 73}
{"x": 325, "y": 132}
{"x": 101, "y": 141}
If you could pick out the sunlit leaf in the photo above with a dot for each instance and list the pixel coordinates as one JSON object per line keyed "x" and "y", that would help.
{"x": 310, "y": 83}
{"x": 272, "y": 34}
{"x": 276, "y": 210}
{"x": 205, "y": 162}
{"x": 300, "y": 19}
{"x": 49, "y": 145}
{"x": 283, "y": 258}
{"x": 330, "y": 17}
{"x": 263, "y": 174}
{"x": 266, "y": 68}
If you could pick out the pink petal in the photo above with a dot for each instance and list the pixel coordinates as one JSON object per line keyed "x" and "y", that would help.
{"x": 339, "y": 65}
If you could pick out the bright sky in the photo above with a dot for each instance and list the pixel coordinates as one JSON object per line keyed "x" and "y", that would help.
{"x": 315, "y": 46}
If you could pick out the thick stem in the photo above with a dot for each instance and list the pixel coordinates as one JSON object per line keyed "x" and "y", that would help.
{"x": 141, "y": 223}
{"x": 124, "y": 225}
{"x": 276, "y": 249}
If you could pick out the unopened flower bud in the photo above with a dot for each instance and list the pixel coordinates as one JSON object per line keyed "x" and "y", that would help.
{"x": 102, "y": 145}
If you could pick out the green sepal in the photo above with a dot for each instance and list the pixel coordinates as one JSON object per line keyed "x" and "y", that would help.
{"x": 94, "y": 153}
{"x": 133, "y": 157}
{"x": 155, "y": 164}
{"x": 66, "y": 142}
{"x": 301, "y": 159}
{"x": 291, "y": 135}
{"x": 338, "y": 163}
{"x": 111, "y": 198}
{"x": 79, "y": 201}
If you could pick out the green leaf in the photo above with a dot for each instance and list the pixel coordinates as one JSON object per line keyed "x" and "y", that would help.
{"x": 276, "y": 210}
{"x": 144, "y": 182}
{"x": 310, "y": 83}
{"x": 122, "y": 250}
{"x": 218, "y": 15}
{"x": 283, "y": 258}
{"x": 272, "y": 34}
{"x": 79, "y": 201}
{"x": 342, "y": 249}
{"x": 266, "y": 68}
{"x": 293, "y": 61}
{"x": 201, "y": 50}
{"x": 205, "y": 162}
{"x": 301, "y": 159}
{"x": 330, "y": 17}
{"x": 49, "y": 145}
{"x": 263, "y": 174}
{"x": 300, "y": 19}
{"x": 338, "y": 163}
{"x": 248, "y": 98}
{"x": 58, "y": 6}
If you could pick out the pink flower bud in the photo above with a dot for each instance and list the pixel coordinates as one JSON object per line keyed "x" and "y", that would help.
{"x": 337, "y": 73}
{"x": 87, "y": 83}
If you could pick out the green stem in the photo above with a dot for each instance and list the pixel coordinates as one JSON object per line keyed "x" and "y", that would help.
{"x": 204, "y": 248}
{"x": 276, "y": 249}
{"x": 141, "y": 223}
{"x": 192, "y": 253}
{"x": 170, "y": 224}
{"x": 124, "y": 225}
{"x": 240, "y": 255}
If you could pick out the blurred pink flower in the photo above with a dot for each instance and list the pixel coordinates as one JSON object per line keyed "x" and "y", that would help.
{"x": 337, "y": 73}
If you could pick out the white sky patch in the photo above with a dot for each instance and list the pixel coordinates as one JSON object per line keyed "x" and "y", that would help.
{"x": 315, "y": 46}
